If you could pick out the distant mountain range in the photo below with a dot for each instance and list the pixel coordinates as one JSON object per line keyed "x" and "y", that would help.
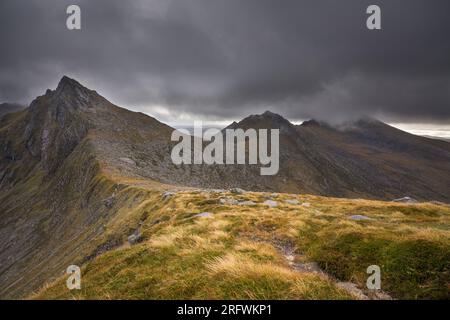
{"x": 364, "y": 158}
{"x": 437, "y": 138}
{"x": 59, "y": 158}
{"x": 6, "y": 108}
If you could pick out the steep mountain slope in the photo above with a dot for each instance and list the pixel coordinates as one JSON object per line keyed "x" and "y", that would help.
{"x": 365, "y": 158}
{"x": 377, "y": 160}
{"x": 79, "y": 174}
{"x": 56, "y": 193}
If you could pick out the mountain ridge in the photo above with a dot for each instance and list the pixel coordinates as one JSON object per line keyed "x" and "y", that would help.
{"x": 315, "y": 158}
{"x": 73, "y": 165}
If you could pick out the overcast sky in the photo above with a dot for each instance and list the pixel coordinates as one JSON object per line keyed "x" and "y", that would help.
{"x": 226, "y": 59}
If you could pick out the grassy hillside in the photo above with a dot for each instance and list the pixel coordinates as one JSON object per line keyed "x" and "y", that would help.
{"x": 206, "y": 245}
{"x": 79, "y": 176}
{"x": 48, "y": 223}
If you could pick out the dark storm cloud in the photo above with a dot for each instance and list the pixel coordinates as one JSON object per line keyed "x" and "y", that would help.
{"x": 229, "y": 58}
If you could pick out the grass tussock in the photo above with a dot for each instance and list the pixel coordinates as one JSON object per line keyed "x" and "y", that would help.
{"x": 236, "y": 252}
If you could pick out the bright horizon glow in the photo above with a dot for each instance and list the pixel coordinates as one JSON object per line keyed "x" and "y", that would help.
{"x": 424, "y": 129}
{"x": 186, "y": 120}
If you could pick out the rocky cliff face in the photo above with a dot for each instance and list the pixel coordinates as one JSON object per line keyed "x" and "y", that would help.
{"x": 58, "y": 121}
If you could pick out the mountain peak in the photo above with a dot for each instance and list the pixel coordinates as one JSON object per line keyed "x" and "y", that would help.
{"x": 47, "y": 136}
{"x": 69, "y": 85}
{"x": 266, "y": 120}
{"x": 273, "y": 116}
{"x": 70, "y": 93}
{"x": 66, "y": 81}
{"x": 268, "y": 115}
{"x": 311, "y": 122}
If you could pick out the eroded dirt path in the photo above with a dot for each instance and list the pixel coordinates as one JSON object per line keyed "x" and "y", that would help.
{"x": 298, "y": 263}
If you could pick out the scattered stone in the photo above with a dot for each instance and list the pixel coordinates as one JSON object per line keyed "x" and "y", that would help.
{"x": 104, "y": 247}
{"x": 379, "y": 295}
{"x": 405, "y": 200}
{"x": 289, "y": 253}
{"x": 306, "y": 204}
{"x": 167, "y": 195}
{"x": 237, "y": 191}
{"x": 290, "y": 258}
{"x": 292, "y": 201}
{"x": 271, "y": 203}
{"x": 135, "y": 237}
{"x": 274, "y": 195}
{"x": 228, "y": 201}
{"x": 359, "y": 217}
{"x": 101, "y": 229}
{"x": 128, "y": 161}
{"x": 246, "y": 203}
{"x": 109, "y": 202}
{"x": 309, "y": 267}
{"x": 203, "y": 215}
{"x": 352, "y": 289}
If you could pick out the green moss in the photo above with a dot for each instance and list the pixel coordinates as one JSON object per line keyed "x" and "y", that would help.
{"x": 417, "y": 269}
{"x": 410, "y": 269}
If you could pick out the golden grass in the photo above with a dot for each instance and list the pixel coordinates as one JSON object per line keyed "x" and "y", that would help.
{"x": 236, "y": 253}
{"x": 237, "y": 265}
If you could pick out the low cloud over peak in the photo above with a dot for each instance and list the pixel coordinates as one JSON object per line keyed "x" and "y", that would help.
{"x": 228, "y": 59}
